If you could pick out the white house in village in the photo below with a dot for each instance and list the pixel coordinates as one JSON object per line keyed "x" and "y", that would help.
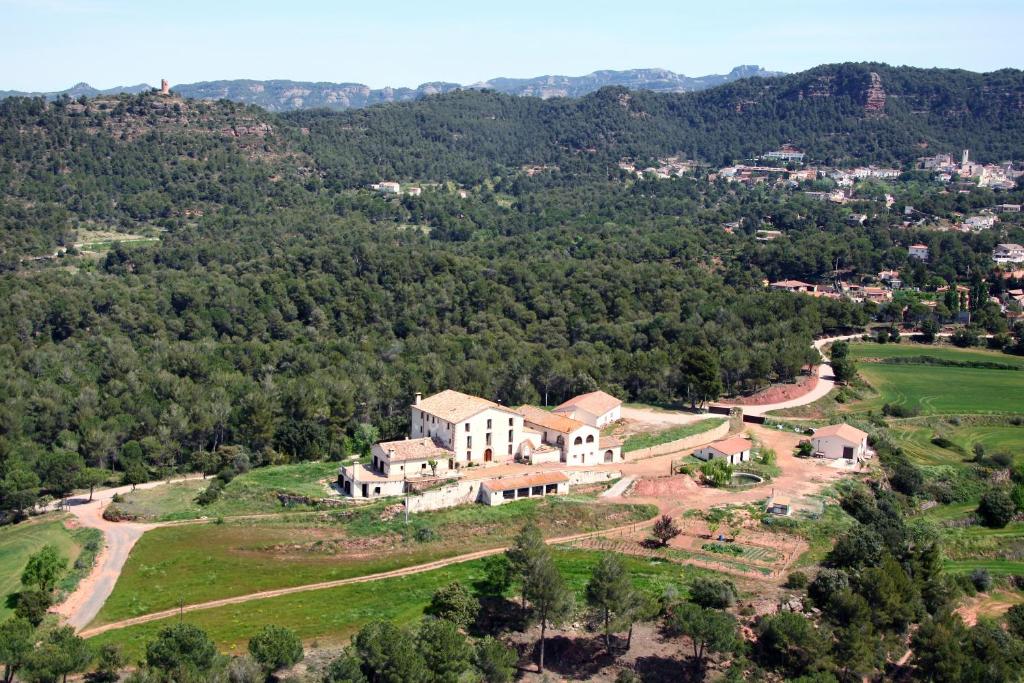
{"x": 596, "y": 409}
{"x": 451, "y": 431}
{"x": 918, "y": 251}
{"x": 840, "y": 441}
{"x": 1008, "y": 253}
{"x": 733, "y": 450}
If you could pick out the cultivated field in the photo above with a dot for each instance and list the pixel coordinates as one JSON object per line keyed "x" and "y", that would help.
{"x": 198, "y": 563}
{"x": 937, "y": 389}
{"x": 333, "y": 615}
{"x": 916, "y": 441}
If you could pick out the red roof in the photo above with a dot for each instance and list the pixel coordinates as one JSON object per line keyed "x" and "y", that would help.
{"x": 732, "y": 445}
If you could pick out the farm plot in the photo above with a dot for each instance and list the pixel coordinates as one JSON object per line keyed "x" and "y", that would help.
{"x": 333, "y": 615}
{"x": 19, "y": 541}
{"x": 198, "y": 563}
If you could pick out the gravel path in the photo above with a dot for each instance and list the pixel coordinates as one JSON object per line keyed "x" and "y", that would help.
{"x": 119, "y": 538}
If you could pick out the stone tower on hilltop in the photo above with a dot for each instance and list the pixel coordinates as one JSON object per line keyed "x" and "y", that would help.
{"x": 165, "y": 87}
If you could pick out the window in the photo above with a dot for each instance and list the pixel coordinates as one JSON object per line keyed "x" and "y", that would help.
{"x": 467, "y": 426}
{"x": 510, "y": 423}
{"x": 508, "y": 495}
{"x": 510, "y": 449}
{"x": 510, "y": 436}
{"x": 488, "y": 423}
{"x": 578, "y": 441}
{"x": 487, "y": 438}
{"x": 590, "y": 438}
{"x": 469, "y": 442}
{"x": 469, "y": 455}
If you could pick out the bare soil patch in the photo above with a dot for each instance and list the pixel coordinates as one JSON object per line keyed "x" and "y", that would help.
{"x": 777, "y": 393}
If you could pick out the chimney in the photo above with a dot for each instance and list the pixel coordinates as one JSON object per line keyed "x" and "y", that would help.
{"x": 165, "y": 87}
{"x": 419, "y": 397}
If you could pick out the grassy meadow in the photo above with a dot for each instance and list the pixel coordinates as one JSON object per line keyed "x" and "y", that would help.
{"x": 937, "y": 389}
{"x": 254, "y": 492}
{"x": 197, "y": 563}
{"x": 647, "y": 440}
{"x": 333, "y": 615}
{"x": 19, "y": 541}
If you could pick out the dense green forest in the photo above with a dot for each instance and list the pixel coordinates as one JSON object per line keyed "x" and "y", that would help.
{"x": 283, "y": 306}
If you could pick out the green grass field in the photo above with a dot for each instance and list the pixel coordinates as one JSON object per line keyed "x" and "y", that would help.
{"x": 251, "y": 493}
{"x": 197, "y": 563}
{"x": 333, "y": 615}
{"x": 860, "y": 350}
{"x": 916, "y": 441}
{"x": 638, "y": 441}
{"x": 19, "y": 541}
{"x": 936, "y": 389}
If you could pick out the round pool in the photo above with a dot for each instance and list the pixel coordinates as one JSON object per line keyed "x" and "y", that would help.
{"x": 745, "y": 479}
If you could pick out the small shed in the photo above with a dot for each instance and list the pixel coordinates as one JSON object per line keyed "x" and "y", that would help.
{"x": 507, "y": 489}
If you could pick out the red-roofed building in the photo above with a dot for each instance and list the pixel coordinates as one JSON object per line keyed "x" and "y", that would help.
{"x": 733, "y": 450}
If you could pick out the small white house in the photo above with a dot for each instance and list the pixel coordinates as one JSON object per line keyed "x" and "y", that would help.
{"x": 596, "y": 409}
{"x": 840, "y": 441}
{"x": 733, "y": 450}
{"x": 507, "y": 489}
{"x": 579, "y": 443}
{"x": 918, "y": 251}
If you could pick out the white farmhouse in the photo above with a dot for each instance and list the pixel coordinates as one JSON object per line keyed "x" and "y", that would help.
{"x": 474, "y": 429}
{"x": 840, "y": 441}
{"x": 596, "y": 409}
{"x": 733, "y": 450}
{"x": 578, "y": 442}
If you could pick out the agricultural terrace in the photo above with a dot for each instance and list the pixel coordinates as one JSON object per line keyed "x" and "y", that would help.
{"x": 331, "y": 616}
{"x": 198, "y": 563}
{"x": 935, "y": 389}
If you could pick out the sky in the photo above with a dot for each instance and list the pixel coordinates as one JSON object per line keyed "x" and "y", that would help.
{"x": 53, "y": 44}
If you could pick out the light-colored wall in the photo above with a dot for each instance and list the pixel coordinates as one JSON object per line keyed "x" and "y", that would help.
{"x": 387, "y": 488}
{"x": 832, "y": 446}
{"x": 586, "y": 453}
{"x": 683, "y": 444}
{"x": 447, "y": 496}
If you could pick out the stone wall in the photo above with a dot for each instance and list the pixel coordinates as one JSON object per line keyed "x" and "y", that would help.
{"x": 581, "y": 477}
{"x": 683, "y": 444}
{"x": 446, "y": 496}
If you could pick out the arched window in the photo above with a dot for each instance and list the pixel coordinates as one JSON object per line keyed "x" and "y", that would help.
{"x": 590, "y": 438}
{"x": 578, "y": 441}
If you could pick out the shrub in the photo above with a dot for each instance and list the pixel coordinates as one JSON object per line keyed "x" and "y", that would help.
{"x": 276, "y": 647}
{"x": 117, "y": 498}
{"x": 982, "y": 580}
{"x": 906, "y": 479}
{"x": 716, "y": 472}
{"x": 113, "y": 513}
{"x": 211, "y": 493}
{"x": 796, "y": 581}
{"x": 713, "y": 593}
{"x": 1015, "y": 620}
{"x": 424, "y": 534}
{"x": 996, "y": 509}
{"x": 1002, "y": 459}
{"x": 899, "y": 410}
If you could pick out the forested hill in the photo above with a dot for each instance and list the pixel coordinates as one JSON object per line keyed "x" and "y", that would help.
{"x": 279, "y": 306}
{"x": 836, "y": 113}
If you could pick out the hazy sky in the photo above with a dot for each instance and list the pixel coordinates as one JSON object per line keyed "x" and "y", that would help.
{"x": 52, "y": 44}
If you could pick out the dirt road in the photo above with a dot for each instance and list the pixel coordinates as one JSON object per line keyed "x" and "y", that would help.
{"x": 119, "y": 538}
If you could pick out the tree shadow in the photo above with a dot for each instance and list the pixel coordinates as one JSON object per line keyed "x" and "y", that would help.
{"x": 655, "y": 669}
{"x": 497, "y": 615}
{"x": 576, "y": 658}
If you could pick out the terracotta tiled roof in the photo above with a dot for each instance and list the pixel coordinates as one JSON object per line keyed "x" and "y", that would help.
{"x": 791, "y": 283}
{"x": 553, "y": 421}
{"x": 595, "y": 403}
{"x": 413, "y": 449}
{"x": 731, "y": 446}
{"x": 525, "y": 480}
{"x": 455, "y": 406}
{"x": 609, "y": 442}
{"x": 843, "y": 431}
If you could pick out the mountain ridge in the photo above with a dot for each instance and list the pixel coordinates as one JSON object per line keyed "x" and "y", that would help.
{"x": 280, "y": 95}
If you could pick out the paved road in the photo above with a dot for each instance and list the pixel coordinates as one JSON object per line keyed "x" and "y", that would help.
{"x": 84, "y": 604}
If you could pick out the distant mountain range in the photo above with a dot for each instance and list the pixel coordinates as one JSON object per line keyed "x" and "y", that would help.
{"x": 285, "y": 95}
